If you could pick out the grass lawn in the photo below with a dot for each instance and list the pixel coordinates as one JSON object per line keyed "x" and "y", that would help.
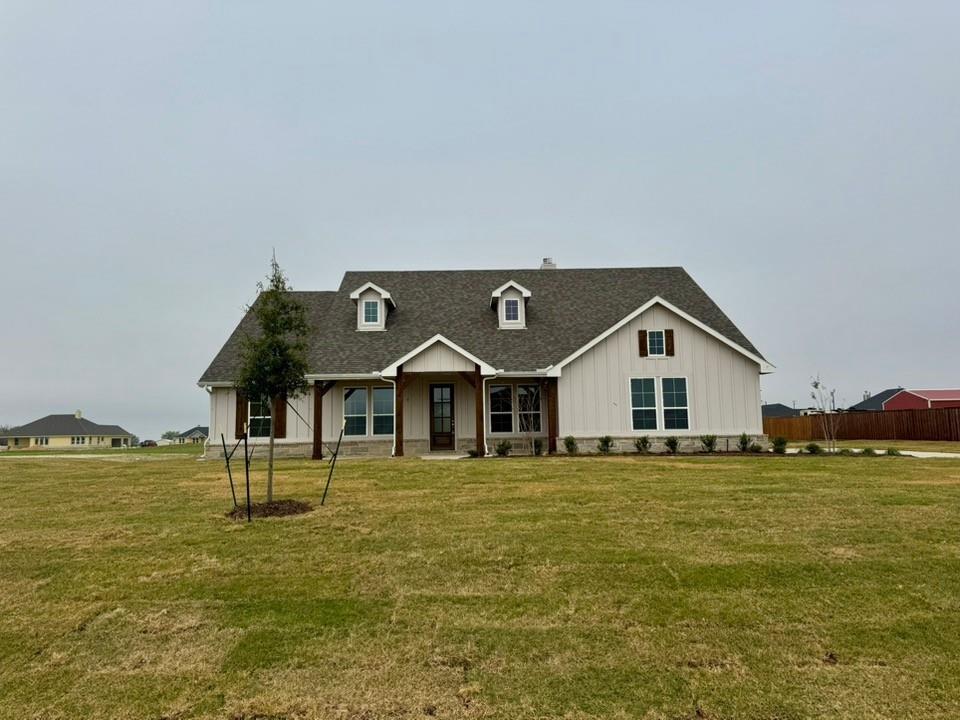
{"x": 732, "y": 587}
{"x": 882, "y": 445}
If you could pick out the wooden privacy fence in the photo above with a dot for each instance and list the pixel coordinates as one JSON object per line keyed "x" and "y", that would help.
{"x": 937, "y": 424}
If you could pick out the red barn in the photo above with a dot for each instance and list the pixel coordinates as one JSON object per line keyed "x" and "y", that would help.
{"x": 923, "y": 400}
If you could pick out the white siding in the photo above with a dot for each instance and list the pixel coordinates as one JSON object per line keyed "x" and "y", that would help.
{"x": 723, "y": 386}
{"x": 438, "y": 358}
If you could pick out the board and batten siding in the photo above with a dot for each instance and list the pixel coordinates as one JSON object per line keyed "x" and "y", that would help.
{"x": 723, "y": 386}
{"x": 438, "y": 358}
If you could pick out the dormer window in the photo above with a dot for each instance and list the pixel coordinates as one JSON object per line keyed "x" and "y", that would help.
{"x": 373, "y": 303}
{"x": 510, "y": 300}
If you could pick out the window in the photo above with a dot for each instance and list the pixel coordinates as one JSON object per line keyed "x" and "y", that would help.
{"x": 643, "y": 403}
{"x": 355, "y": 411}
{"x": 655, "y": 345}
{"x": 383, "y": 411}
{"x": 501, "y": 408}
{"x": 78, "y": 440}
{"x": 259, "y": 418}
{"x": 371, "y": 312}
{"x": 511, "y": 310}
{"x": 675, "y": 411}
{"x": 528, "y": 408}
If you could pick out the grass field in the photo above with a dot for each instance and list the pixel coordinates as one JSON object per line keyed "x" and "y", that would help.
{"x": 734, "y": 587}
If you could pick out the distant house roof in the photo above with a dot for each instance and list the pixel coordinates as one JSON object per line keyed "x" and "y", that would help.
{"x": 778, "y": 410}
{"x": 198, "y": 431}
{"x": 936, "y": 394}
{"x": 66, "y": 425}
{"x": 875, "y": 402}
{"x": 567, "y": 310}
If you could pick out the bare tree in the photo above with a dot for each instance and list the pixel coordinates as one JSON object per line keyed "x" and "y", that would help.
{"x": 826, "y": 404}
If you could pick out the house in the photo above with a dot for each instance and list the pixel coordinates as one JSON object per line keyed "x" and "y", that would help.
{"x": 874, "y": 403}
{"x": 922, "y": 399}
{"x": 194, "y": 435}
{"x": 71, "y": 431}
{"x": 409, "y": 362}
{"x": 778, "y": 410}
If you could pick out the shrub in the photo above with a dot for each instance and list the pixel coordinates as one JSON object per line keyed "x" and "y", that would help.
{"x": 709, "y": 443}
{"x": 869, "y": 452}
{"x": 642, "y": 444}
{"x": 893, "y": 452}
{"x": 604, "y": 444}
{"x": 743, "y": 442}
{"x": 756, "y": 447}
{"x": 844, "y": 451}
{"x": 779, "y": 445}
{"x": 537, "y": 446}
{"x": 472, "y": 453}
{"x": 503, "y": 448}
{"x": 570, "y": 444}
{"x": 813, "y": 448}
{"x": 672, "y": 444}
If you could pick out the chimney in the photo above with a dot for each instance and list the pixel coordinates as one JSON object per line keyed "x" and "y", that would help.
{"x": 77, "y": 414}
{"x": 866, "y": 394}
{"x": 548, "y": 264}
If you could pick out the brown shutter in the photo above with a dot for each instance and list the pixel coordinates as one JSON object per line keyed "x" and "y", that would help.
{"x": 279, "y": 413}
{"x": 241, "y": 420}
{"x": 642, "y": 340}
{"x": 668, "y": 342}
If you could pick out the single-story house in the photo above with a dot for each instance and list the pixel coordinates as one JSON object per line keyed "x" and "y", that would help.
{"x": 922, "y": 400}
{"x": 778, "y": 410}
{"x": 71, "y": 431}
{"x": 410, "y": 362}
{"x": 194, "y": 435}
{"x": 874, "y": 403}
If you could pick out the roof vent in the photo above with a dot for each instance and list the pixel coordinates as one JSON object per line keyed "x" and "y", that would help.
{"x": 77, "y": 414}
{"x": 548, "y": 264}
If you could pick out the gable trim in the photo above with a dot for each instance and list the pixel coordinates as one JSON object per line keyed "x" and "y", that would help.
{"x": 391, "y": 369}
{"x": 355, "y": 295}
{"x": 765, "y": 367}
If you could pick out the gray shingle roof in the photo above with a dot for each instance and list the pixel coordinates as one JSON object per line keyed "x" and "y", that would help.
{"x": 778, "y": 410}
{"x": 875, "y": 402}
{"x": 201, "y": 429}
{"x": 568, "y": 308}
{"x": 54, "y": 425}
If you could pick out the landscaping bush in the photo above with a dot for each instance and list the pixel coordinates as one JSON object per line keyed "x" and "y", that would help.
{"x": 845, "y": 451}
{"x": 503, "y": 448}
{"x": 672, "y": 444}
{"x": 893, "y": 452}
{"x": 570, "y": 444}
{"x": 813, "y": 448}
{"x": 743, "y": 442}
{"x": 472, "y": 453}
{"x": 604, "y": 444}
{"x": 756, "y": 447}
{"x": 779, "y": 445}
{"x": 869, "y": 452}
{"x": 537, "y": 446}
{"x": 709, "y": 443}
{"x": 642, "y": 444}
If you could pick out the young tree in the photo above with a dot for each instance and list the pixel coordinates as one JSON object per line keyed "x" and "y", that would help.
{"x": 273, "y": 359}
{"x": 170, "y": 435}
{"x": 826, "y": 404}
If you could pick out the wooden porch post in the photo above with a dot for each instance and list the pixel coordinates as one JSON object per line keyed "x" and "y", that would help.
{"x": 398, "y": 415}
{"x": 553, "y": 416}
{"x": 478, "y": 410}
{"x": 319, "y": 390}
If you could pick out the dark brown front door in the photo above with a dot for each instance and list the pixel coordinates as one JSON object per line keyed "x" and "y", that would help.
{"x": 441, "y": 417}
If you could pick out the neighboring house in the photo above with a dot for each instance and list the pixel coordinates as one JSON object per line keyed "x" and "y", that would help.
{"x": 194, "y": 435}
{"x": 874, "y": 403}
{"x": 412, "y": 362}
{"x": 778, "y": 410}
{"x": 66, "y": 431}
{"x": 922, "y": 400}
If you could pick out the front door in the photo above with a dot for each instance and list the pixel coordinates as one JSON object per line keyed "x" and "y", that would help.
{"x": 441, "y": 417}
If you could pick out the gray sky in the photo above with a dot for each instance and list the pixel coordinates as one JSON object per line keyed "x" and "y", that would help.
{"x": 801, "y": 160}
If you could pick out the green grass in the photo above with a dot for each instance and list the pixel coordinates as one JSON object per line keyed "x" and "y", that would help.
{"x": 581, "y": 588}
{"x": 882, "y": 445}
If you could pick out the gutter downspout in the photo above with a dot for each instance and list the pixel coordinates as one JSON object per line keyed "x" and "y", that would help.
{"x": 486, "y": 449}
{"x": 393, "y": 447}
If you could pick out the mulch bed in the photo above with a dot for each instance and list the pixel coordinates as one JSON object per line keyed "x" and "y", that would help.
{"x": 277, "y": 508}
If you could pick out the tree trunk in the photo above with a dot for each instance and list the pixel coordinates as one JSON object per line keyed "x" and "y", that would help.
{"x": 270, "y": 456}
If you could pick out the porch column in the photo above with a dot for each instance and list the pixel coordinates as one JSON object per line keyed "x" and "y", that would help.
{"x": 479, "y": 415}
{"x": 553, "y": 416}
{"x": 319, "y": 390}
{"x": 398, "y": 415}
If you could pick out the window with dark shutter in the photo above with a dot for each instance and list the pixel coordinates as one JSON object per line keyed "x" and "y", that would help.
{"x": 668, "y": 342}
{"x": 642, "y": 342}
{"x": 241, "y": 415}
{"x": 280, "y": 417}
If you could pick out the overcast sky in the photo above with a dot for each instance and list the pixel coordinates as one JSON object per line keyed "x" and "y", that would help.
{"x": 801, "y": 160}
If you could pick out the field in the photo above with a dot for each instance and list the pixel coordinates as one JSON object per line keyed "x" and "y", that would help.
{"x": 697, "y": 587}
